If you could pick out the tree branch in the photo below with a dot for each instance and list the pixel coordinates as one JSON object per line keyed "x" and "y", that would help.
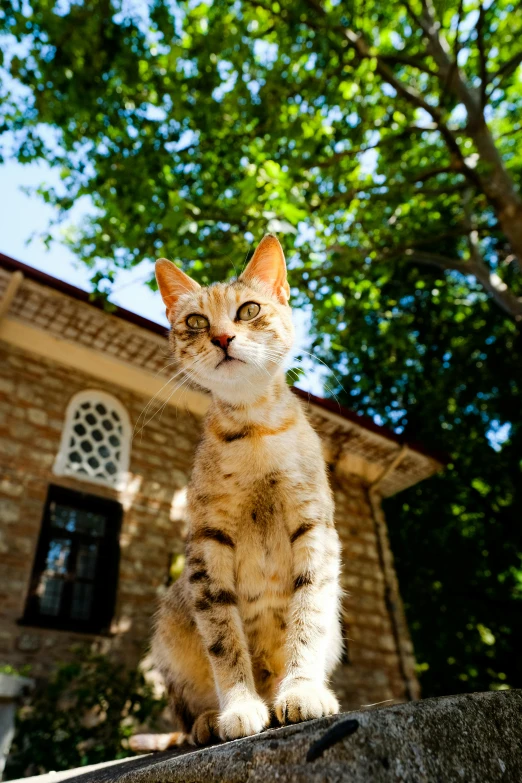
{"x": 482, "y": 57}
{"x": 419, "y": 21}
{"x": 477, "y": 268}
{"x": 508, "y": 67}
{"x": 435, "y": 259}
{"x": 363, "y": 51}
{"x": 497, "y": 184}
{"x": 424, "y": 175}
{"x": 456, "y": 43}
{"x": 449, "y": 72}
{"x": 403, "y": 59}
{"x": 444, "y": 191}
{"x": 386, "y": 140}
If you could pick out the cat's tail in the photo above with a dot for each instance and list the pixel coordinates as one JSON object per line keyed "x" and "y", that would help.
{"x": 147, "y": 743}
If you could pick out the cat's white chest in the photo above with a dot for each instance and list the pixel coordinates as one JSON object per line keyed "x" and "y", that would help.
{"x": 263, "y": 551}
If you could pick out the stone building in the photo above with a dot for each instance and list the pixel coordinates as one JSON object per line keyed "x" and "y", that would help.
{"x": 92, "y": 490}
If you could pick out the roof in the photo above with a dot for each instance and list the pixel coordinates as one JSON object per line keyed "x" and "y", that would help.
{"x": 77, "y": 293}
{"x": 67, "y": 312}
{"x": 364, "y": 421}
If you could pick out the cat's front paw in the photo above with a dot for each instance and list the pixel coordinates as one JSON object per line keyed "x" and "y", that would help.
{"x": 243, "y": 718}
{"x": 304, "y": 701}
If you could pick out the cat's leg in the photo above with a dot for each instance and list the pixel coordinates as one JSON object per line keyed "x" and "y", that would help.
{"x": 178, "y": 652}
{"x": 314, "y": 639}
{"x": 205, "y": 729}
{"x": 211, "y": 576}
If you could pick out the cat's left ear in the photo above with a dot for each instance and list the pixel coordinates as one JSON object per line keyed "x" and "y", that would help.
{"x": 173, "y": 283}
{"x": 268, "y": 266}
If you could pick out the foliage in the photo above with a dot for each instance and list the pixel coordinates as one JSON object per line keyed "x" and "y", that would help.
{"x": 451, "y": 379}
{"x": 382, "y": 140}
{"x": 191, "y": 128}
{"x": 177, "y": 564}
{"x": 457, "y": 538}
{"x": 13, "y": 671}
{"x": 461, "y": 575}
{"x": 81, "y": 716}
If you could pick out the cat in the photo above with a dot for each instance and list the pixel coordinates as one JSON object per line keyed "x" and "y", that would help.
{"x": 252, "y": 624}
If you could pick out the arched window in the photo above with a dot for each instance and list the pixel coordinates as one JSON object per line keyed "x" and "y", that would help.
{"x": 95, "y": 442}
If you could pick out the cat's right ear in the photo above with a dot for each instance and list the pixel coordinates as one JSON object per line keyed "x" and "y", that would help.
{"x": 173, "y": 283}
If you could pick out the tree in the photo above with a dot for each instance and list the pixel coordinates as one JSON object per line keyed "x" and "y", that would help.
{"x": 382, "y": 141}
{"x": 192, "y": 129}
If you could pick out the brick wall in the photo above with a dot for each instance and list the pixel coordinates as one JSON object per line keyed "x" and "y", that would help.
{"x": 34, "y": 394}
{"x": 378, "y": 648}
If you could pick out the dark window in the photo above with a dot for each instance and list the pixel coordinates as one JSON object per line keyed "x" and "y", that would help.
{"x": 75, "y": 573}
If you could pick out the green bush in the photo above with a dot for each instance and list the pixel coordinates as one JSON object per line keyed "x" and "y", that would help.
{"x": 82, "y": 715}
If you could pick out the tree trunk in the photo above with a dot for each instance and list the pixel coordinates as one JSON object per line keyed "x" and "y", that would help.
{"x": 499, "y": 188}
{"x": 496, "y": 182}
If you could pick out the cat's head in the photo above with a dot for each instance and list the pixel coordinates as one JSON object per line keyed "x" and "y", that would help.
{"x": 231, "y": 338}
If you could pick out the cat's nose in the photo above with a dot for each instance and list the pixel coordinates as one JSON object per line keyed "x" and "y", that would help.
{"x": 222, "y": 341}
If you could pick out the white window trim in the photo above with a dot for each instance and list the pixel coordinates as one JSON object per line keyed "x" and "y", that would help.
{"x": 61, "y": 466}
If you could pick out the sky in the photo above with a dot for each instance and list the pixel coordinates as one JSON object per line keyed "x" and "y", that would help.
{"x": 24, "y": 216}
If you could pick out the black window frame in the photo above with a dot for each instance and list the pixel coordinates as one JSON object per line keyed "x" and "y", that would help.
{"x": 105, "y": 580}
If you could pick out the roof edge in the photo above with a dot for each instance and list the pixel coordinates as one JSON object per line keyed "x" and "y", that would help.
{"x": 80, "y": 295}
{"x": 368, "y": 424}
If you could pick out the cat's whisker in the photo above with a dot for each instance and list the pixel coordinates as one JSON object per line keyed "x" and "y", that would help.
{"x": 186, "y": 383}
{"x": 161, "y": 410}
{"x": 313, "y": 355}
{"x": 273, "y": 352}
{"x": 173, "y": 377}
{"x": 166, "y": 366}
{"x": 144, "y": 413}
{"x": 245, "y": 261}
{"x": 328, "y": 388}
{"x": 184, "y": 391}
{"x": 161, "y": 407}
{"x": 273, "y": 355}
{"x": 233, "y": 265}
{"x": 151, "y": 402}
{"x": 270, "y": 354}
{"x": 260, "y": 365}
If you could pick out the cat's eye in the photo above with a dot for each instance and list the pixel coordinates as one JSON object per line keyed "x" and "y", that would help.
{"x": 197, "y": 322}
{"x": 248, "y": 311}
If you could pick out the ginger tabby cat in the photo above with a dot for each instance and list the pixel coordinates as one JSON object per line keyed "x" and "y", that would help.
{"x": 252, "y": 625}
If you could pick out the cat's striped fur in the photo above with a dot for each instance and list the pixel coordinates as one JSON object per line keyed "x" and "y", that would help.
{"x": 253, "y": 622}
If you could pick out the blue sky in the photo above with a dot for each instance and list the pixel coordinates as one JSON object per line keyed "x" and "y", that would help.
{"x": 23, "y": 216}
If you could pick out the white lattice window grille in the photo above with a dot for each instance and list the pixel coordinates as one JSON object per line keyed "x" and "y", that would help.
{"x": 95, "y": 442}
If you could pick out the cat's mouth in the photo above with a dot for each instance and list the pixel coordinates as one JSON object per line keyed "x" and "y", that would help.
{"x": 227, "y": 359}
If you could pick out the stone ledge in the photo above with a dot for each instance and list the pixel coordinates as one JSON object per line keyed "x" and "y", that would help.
{"x": 469, "y": 738}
